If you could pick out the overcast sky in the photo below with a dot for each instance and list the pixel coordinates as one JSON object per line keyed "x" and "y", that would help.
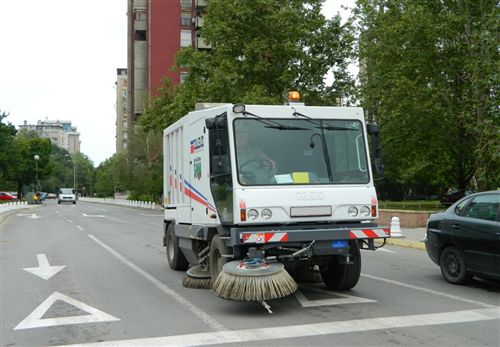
{"x": 58, "y": 60}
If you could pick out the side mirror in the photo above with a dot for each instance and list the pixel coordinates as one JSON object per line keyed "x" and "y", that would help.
{"x": 374, "y": 131}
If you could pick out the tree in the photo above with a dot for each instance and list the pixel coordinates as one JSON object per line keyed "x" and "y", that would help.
{"x": 7, "y": 134}
{"x": 430, "y": 78}
{"x": 260, "y": 50}
{"x": 22, "y": 170}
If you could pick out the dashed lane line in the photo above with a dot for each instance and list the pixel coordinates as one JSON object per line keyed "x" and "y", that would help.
{"x": 205, "y": 317}
{"x": 429, "y": 291}
{"x": 80, "y": 228}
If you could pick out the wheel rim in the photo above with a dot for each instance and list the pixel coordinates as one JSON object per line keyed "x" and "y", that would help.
{"x": 452, "y": 265}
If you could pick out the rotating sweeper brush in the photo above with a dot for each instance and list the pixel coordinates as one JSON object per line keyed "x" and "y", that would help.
{"x": 253, "y": 280}
{"x": 197, "y": 277}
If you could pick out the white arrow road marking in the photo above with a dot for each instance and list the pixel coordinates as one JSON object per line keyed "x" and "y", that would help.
{"x": 44, "y": 270}
{"x": 34, "y": 320}
{"x": 344, "y": 299}
{"x": 93, "y": 215}
{"x": 29, "y": 215}
{"x": 150, "y": 215}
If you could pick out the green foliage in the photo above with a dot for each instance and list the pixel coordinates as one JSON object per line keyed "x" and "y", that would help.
{"x": 430, "y": 78}
{"x": 7, "y": 134}
{"x": 261, "y": 49}
{"x": 22, "y": 165}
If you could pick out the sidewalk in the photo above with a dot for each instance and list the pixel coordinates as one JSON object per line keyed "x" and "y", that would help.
{"x": 412, "y": 238}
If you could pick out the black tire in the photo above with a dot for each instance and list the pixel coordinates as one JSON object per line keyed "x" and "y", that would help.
{"x": 59, "y": 202}
{"x": 74, "y": 202}
{"x": 215, "y": 258}
{"x": 343, "y": 276}
{"x": 176, "y": 260}
{"x": 452, "y": 264}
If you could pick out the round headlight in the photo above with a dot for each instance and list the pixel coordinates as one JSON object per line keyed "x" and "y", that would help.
{"x": 253, "y": 214}
{"x": 353, "y": 211}
{"x": 365, "y": 211}
{"x": 266, "y": 213}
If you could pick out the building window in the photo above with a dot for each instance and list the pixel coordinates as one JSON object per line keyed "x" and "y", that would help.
{"x": 125, "y": 136}
{"x": 183, "y": 76}
{"x": 140, "y": 35}
{"x": 185, "y": 19}
{"x": 185, "y": 4}
{"x": 124, "y": 145}
{"x": 140, "y": 16}
{"x": 185, "y": 38}
{"x": 125, "y": 125}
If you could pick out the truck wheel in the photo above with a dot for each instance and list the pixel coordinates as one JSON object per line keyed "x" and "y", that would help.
{"x": 343, "y": 276}
{"x": 176, "y": 260}
{"x": 216, "y": 260}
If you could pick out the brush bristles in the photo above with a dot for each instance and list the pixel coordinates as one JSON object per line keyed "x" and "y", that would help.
{"x": 196, "y": 283}
{"x": 254, "y": 288}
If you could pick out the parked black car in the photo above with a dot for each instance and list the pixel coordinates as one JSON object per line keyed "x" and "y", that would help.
{"x": 450, "y": 198}
{"x": 464, "y": 240}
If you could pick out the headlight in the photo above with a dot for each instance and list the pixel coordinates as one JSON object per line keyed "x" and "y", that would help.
{"x": 353, "y": 211}
{"x": 365, "y": 211}
{"x": 266, "y": 213}
{"x": 253, "y": 214}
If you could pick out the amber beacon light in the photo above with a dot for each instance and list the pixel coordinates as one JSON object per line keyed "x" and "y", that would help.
{"x": 293, "y": 96}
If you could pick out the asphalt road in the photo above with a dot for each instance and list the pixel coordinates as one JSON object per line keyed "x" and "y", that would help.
{"x": 112, "y": 287}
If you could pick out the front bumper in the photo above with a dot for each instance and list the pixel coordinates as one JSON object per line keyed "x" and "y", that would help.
{"x": 290, "y": 234}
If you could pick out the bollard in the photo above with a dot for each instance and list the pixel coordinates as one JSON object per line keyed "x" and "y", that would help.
{"x": 152, "y": 205}
{"x": 395, "y": 228}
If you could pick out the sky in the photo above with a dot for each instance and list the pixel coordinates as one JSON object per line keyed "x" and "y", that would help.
{"x": 58, "y": 60}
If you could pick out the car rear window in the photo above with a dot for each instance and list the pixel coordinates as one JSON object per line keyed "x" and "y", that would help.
{"x": 483, "y": 207}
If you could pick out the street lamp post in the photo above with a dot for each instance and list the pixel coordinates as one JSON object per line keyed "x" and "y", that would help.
{"x": 37, "y": 158}
{"x": 74, "y": 171}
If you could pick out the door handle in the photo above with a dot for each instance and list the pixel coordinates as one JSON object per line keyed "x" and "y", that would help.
{"x": 455, "y": 226}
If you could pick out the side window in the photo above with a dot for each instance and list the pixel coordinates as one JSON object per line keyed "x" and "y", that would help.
{"x": 461, "y": 207}
{"x": 483, "y": 207}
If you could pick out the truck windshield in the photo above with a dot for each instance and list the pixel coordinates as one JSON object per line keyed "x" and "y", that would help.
{"x": 300, "y": 151}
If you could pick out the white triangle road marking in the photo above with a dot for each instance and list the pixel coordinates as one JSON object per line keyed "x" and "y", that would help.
{"x": 340, "y": 299}
{"x": 34, "y": 320}
{"x": 44, "y": 270}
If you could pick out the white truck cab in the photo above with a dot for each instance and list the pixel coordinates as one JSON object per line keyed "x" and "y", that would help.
{"x": 271, "y": 180}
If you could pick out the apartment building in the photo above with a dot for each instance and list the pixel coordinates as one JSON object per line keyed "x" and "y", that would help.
{"x": 157, "y": 29}
{"x": 60, "y": 132}
{"x": 121, "y": 110}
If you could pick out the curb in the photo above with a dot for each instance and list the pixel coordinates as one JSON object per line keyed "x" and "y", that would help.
{"x": 4, "y": 216}
{"x": 407, "y": 244}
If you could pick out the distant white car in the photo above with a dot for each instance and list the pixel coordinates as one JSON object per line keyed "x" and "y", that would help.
{"x": 66, "y": 195}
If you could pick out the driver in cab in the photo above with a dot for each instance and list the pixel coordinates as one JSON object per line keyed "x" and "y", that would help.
{"x": 254, "y": 166}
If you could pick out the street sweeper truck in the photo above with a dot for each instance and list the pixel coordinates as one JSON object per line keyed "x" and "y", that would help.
{"x": 255, "y": 195}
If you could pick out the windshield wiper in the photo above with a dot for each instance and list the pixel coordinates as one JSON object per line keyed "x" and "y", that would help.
{"x": 332, "y": 127}
{"x": 285, "y": 127}
{"x": 319, "y": 124}
{"x": 273, "y": 124}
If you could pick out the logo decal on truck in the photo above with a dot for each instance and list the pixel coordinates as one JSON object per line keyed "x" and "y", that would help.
{"x": 196, "y": 144}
